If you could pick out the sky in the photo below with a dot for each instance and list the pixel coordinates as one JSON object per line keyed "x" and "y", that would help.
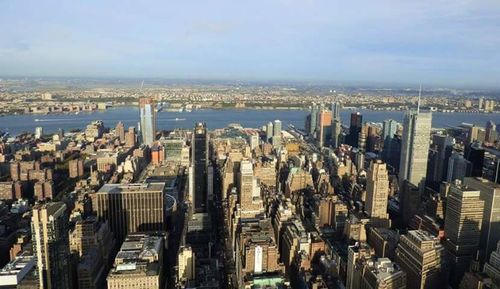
{"x": 434, "y": 42}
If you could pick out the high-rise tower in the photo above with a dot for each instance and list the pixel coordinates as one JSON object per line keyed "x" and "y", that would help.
{"x": 49, "y": 227}
{"x": 148, "y": 120}
{"x": 377, "y": 190}
{"x": 199, "y": 161}
{"x": 336, "y": 125}
{"x": 415, "y": 147}
{"x": 355, "y": 128}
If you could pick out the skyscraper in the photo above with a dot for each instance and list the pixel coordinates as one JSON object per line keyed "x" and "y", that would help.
{"x": 269, "y": 131}
{"x": 199, "y": 160}
{"x": 458, "y": 168}
{"x": 462, "y": 226}
{"x": 324, "y": 123}
{"x": 49, "y": 226}
{"x": 120, "y": 131}
{"x": 355, "y": 128}
{"x": 148, "y": 120}
{"x": 277, "y": 128}
{"x": 474, "y": 153}
{"x": 250, "y": 200}
{"x": 415, "y": 147}
{"x": 131, "y": 208}
{"x": 377, "y": 190}
{"x": 336, "y": 125}
{"x": 314, "y": 119}
{"x": 443, "y": 146}
{"x": 419, "y": 255}
{"x": 130, "y": 137}
{"x": 490, "y": 229}
{"x": 491, "y": 133}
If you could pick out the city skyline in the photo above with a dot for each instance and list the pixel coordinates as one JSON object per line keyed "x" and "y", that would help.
{"x": 437, "y": 43}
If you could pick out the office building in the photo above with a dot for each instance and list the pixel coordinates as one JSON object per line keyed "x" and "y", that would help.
{"x": 462, "y": 226}
{"x": 409, "y": 201}
{"x": 147, "y": 112}
{"x": 489, "y": 193}
{"x": 336, "y": 125}
{"x": 491, "y": 132}
{"x": 419, "y": 254}
{"x": 389, "y": 129}
{"x": 131, "y": 208}
{"x": 474, "y": 153}
{"x": 355, "y": 128}
{"x": 199, "y": 162}
{"x": 313, "y": 123}
{"x": 269, "y": 131}
{"x": 492, "y": 268}
{"x": 377, "y": 190}
{"x": 324, "y": 126}
{"x": 120, "y": 131}
{"x": 38, "y": 132}
{"x": 415, "y": 147}
{"x": 382, "y": 273}
{"x": 49, "y": 227}
{"x": 277, "y": 128}
{"x": 458, "y": 168}
{"x": 355, "y": 253}
{"x": 443, "y": 146}
{"x": 138, "y": 264}
{"x": 250, "y": 200}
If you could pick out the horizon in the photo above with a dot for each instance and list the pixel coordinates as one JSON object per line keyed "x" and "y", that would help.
{"x": 451, "y": 44}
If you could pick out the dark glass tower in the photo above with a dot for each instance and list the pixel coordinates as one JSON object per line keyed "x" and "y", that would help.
{"x": 475, "y": 154}
{"x": 355, "y": 128}
{"x": 199, "y": 161}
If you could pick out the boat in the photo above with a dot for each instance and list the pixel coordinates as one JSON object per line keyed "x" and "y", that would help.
{"x": 179, "y": 119}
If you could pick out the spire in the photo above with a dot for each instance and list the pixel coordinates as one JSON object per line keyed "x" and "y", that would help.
{"x": 419, "y": 96}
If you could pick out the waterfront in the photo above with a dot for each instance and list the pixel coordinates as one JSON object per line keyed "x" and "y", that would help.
{"x": 15, "y": 124}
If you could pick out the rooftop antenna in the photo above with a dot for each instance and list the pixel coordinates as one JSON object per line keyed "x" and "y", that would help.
{"x": 419, "y": 96}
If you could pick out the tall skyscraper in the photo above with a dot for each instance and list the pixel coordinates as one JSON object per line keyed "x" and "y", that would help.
{"x": 277, "y": 128}
{"x": 415, "y": 147}
{"x": 148, "y": 120}
{"x": 38, "y": 132}
{"x": 474, "y": 153}
{"x": 458, "y": 168}
{"x": 377, "y": 190}
{"x": 324, "y": 123}
{"x": 314, "y": 119}
{"x": 269, "y": 131}
{"x": 443, "y": 146}
{"x": 49, "y": 227}
{"x": 336, "y": 125}
{"x": 355, "y": 128}
{"x": 491, "y": 133}
{"x": 489, "y": 192}
{"x": 199, "y": 160}
{"x": 120, "y": 131}
{"x": 462, "y": 226}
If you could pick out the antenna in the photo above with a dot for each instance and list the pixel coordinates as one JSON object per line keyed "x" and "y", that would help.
{"x": 419, "y": 96}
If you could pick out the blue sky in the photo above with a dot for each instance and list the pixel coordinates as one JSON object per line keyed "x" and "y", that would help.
{"x": 436, "y": 42}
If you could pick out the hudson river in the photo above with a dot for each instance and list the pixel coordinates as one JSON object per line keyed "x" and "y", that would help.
{"x": 15, "y": 124}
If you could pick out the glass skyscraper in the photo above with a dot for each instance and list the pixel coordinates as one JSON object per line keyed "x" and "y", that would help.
{"x": 148, "y": 120}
